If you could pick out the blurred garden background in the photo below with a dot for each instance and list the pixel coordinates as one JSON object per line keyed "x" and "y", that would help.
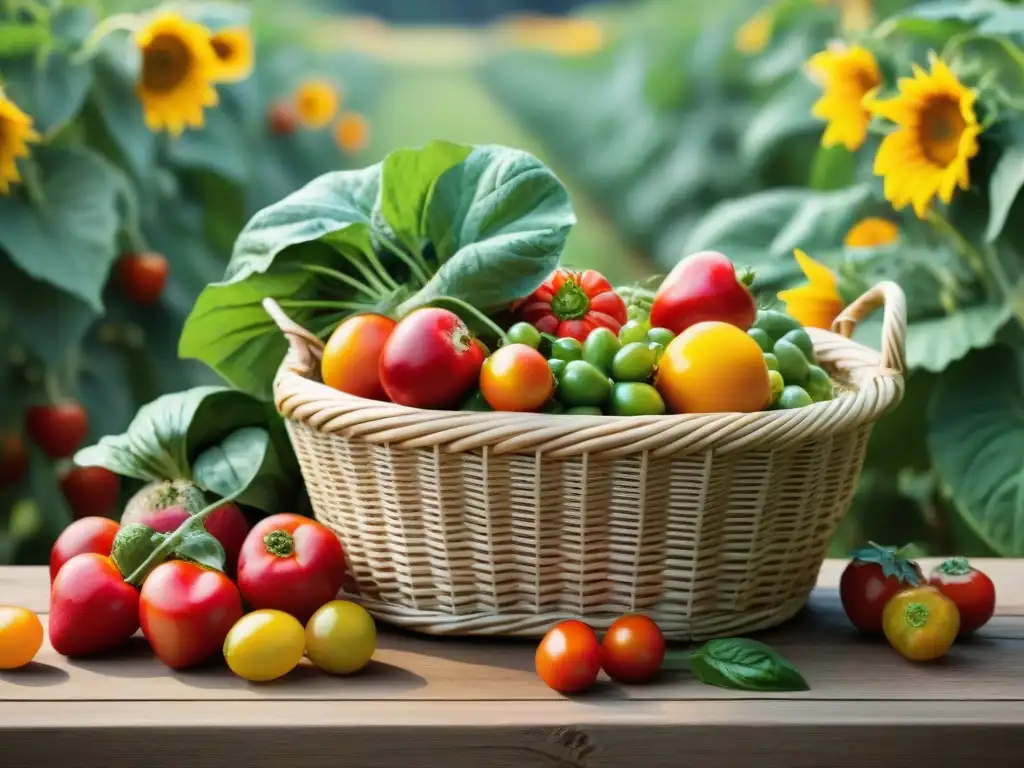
{"x": 675, "y": 125}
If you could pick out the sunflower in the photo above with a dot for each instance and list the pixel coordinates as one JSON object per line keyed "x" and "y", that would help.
{"x": 178, "y": 64}
{"x": 936, "y": 135}
{"x": 316, "y": 102}
{"x": 234, "y": 51}
{"x": 871, "y": 232}
{"x": 755, "y": 34}
{"x": 847, "y": 76}
{"x": 352, "y": 132}
{"x": 15, "y": 134}
{"x": 817, "y": 303}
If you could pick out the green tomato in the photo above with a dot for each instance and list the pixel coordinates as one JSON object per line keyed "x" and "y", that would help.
{"x": 660, "y": 336}
{"x": 775, "y": 378}
{"x": 634, "y": 362}
{"x": 764, "y": 341}
{"x": 556, "y": 366}
{"x": 775, "y": 324}
{"x": 567, "y": 349}
{"x": 634, "y": 330}
{"x": 819, "y": 385}
{"x": 631, "y": 398}
{"x": 792, "y": 363}
{"x": 794, "y": 397}
{"x": 803, "y": 341}
{"x": 600, "y": 348}
{"x": 657, "y": 349}
{"x": 771, "y": 361}
{"x": 583, "y": 384}
{"x": 523, "y": 333}
{"x": 584, "y": 410}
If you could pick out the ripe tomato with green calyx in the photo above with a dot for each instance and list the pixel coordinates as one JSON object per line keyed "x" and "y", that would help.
{"x": 516, "y": 378}
{"x": 873, "y": 576}
{"x": 971, "y": 590}
{"x": 143, "y": 277}
{"x": 351, "y": 357}
{"x": 572, "y": 304}
{"x": 58, "y": 428}
{"x": 568, "y": 659}
{"x": 92, "y": 609}
{"x": 921, "y": 623}
{"x": 13, "y": 460}
{"x": 90, "y": 491}
{"x": 633, "y": 649}
{"x": 88, "y": 534}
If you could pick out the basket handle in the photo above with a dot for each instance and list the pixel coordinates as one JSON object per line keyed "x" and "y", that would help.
{"x": 305, "y": 347}
{"x": 894, "y": 322}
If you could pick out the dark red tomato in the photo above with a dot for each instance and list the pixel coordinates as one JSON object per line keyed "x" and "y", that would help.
{"x": 632, "y": 649}
{"x": 90, "y": 534}
{"x": 971, "y": 590}
{"x": 282, "y": 120}
{"x": 13, "y": 460}
{"x": 92, "y": 609}
{"x": 569, "y": 657}
{"x": 91, "y": 491}
{"x": 143, "y": 277}
{"x": 699, "y": 288}
{"x": 870, "y": 580}
{"x": 59, "y": 429}
{"x": 430, "y": 360}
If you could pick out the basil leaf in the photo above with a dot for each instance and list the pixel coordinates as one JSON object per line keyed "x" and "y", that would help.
{"x": 132, "y": 545}
{"x": 745, "y": 665}
{"x": 201, "y": 547}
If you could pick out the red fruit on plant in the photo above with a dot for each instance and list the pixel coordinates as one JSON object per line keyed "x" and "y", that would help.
{"x": 143, "y": 277}
{"x": 703, "y": 287}
{"x": 569, "y": 657}
{"x": 282, "y": 120}
{"x": 89, "y": 534}
{"x": 632, "y": 649}
{"x": 13, "y": 460}
{"x": 59, "y": 429}
{"x": 971, "y": 590}
{"x": 430, "y": 360}
{"x": 871, "y": 579}
{"x": 573, "y": 304}
{"x": 90, "y": 491}
{"x": 291, "y": 563}
{"x": 92, "y": 609}
{"x": 186, "y": 611}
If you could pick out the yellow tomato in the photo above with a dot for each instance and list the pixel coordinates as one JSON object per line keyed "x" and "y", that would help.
{"x": 341, "y": 637}
{"x": 713, "y": 367}
{"x": 264, "y": 645}
{"x": 921, "y": 623}
{"x": 21, "y": 636}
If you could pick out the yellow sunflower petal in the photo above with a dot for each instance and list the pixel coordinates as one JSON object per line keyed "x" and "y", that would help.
{"x": 817, "y": 274}
{"x": 16, "y": 133}
{"x": 871, "y": 232}
{"x": 847, "y": 76}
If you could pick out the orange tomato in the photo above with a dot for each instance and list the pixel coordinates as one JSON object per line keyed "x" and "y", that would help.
{"x": 351, "y": 360}
{"x": 516, "y": 378}
{"x": 713, "y": 367}
{"x": 21, "y": 636}
{"x": 632, "y": 649}
{"x": 568, "y": 659}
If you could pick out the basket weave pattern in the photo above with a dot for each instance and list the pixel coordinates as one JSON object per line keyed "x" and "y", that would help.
{"x": 502, "y": 523}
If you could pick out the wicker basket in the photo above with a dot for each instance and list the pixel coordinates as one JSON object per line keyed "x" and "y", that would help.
{"x": 470, "y": 523}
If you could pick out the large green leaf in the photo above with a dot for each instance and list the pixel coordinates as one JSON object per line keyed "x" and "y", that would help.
{"x": 246, "y": 459}
{"x": 69, "y": 238}
{"x": 117, "y": 102}
{"x": 1003, "y": 188}
{"x": 976, "y": 439}
{"x": 785, "y": 115}
{"x": 219, "y": 146}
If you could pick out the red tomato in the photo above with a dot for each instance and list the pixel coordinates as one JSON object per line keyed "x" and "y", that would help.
{"x": 351, "y": 359}
{"x": 291, "y": 563}
{"x": 92, "y": 609}
{"x": 573, "y": 304}
{"x": 13, "y": 460}
{"x": 186, "y": 611}
{"x": 569, "y": 657}
{"x": 58, "y": 429}
{"x": 282, "y": 120}
{"x": 699, "y": 288}
{"x": 91, "y": 491}
{"x": 971, "y": 590}
{"x": 870, "y": 580}
{"x": 89, "y": 534}
{"x": 632, "y": 649}
{"x": 516, "y": 378}
{"x": 430, "y": 360}
{"x": 143, "y": 277}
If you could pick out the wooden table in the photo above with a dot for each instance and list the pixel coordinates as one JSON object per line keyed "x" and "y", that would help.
{"x": 439, "y": 703}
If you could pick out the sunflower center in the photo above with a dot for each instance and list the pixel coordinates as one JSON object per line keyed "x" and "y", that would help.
{"x": 940, "y": 130}
{"x": 166, "y": 62}
{"x": 221, "y": 49}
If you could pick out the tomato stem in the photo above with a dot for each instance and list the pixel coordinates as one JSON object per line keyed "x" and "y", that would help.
{"x": 955, "y": 566}
{"x": 916, "y": 614}
{"x": 571, "y": 302}
{"x": 279, "y": 543}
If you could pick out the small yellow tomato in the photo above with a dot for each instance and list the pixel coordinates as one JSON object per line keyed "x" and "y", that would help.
{"x": 920, "y": 623}
{"x": 21, "y": 636}
{"x": 713, "y": 367}
{"x": 341, "y": 637}
{"x": 264, "y": 645}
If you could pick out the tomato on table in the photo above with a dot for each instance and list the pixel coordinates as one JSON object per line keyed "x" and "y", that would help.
{"x": 21, "y": 636}
{"x": 971, "y": 590}
{"x": 633, "y": 649}
{"x": 568, "y": 659}
{"x": 921, "y": 623}
{"x": 871, "y": 579}
{"x": 88, "y": 534}
{"x": 516, "y": 378}
{"x": 92, "y": 609}
{"x": 264, "y": 645}
{"x": 351, "y": 357}
{"x": 341, "y": 637}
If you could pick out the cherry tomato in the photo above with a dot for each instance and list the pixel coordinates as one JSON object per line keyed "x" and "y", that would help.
{"x": 13, "y": 460}
{"x": 143, "y": 277}
{"x": 700, "y": 288}
{"x": 921, "y": 623}
{"x": 264, "y": 645}
{"x": 971, "y": 590}
{"x": 92, "y": 609}
{"x": 90, "y": 491}
{"x": 21, "y": 636}
{"x": 341, "y": 637}
{"x": 351, "y": 359}
{"x": 870, "y": 580}
{"x": 524, "y": 333}
{"x": 516, "y": 378}
{"x": 282, "y": 120}
{"x": 89, "y": 534}
{"x": 430, "y": 360}
{"x": 569, "y": 657}
{"x": 632, "y": 649}
{"x": 58, "y": 429}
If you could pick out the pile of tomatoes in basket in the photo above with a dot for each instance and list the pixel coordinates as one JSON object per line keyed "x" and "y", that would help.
{"x": 698, "y": 344}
